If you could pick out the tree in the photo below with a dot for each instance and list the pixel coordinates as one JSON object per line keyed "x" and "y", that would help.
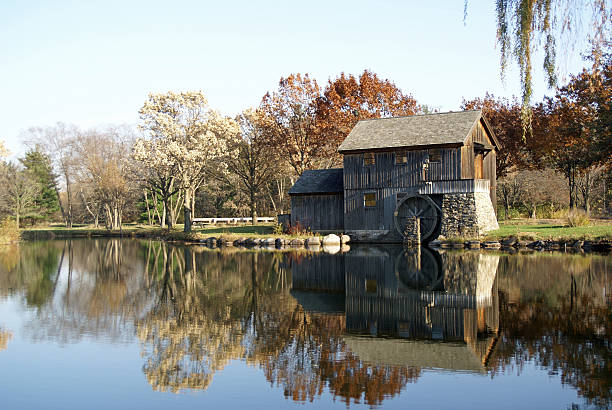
{"x": 250, "y": 158}
{"x": 295, "y": 133}
{"x": 58, "y": 143}
{"x": 522, "y": 23}
{"x": 40, "y": 167}
{"x": 103, "y": 166}
{"x": 19, "y": 191}
{"x": 347, "y": 100}
{"x": 517, "y": 152}
{"x": 193, "y": 136}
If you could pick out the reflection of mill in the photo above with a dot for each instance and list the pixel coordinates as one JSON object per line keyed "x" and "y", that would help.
{"x": 415, "y": 297}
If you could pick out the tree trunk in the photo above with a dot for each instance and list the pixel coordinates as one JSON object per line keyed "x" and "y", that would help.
{"x": 253, "y": 211}
{"x": 59, "y": 200}
{"x": 187, "y": 210}
{"x": 168, "y": 213}
{"x": 17, "y": 217}
{"x": 148, "y": 208}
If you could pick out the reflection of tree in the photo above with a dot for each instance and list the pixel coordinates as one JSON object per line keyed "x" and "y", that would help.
{"x": 87, "y": 287}
{"x": 5, "y": 337}
{"x": 30, "y": 268}
{"x": 559, "y": 318}
{"x": 196, "y": 325}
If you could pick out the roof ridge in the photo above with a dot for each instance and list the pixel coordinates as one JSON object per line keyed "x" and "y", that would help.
{"x": 419, "y": 115}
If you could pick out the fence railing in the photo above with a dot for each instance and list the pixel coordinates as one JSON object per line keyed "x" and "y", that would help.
{"x": 231, "y": 221}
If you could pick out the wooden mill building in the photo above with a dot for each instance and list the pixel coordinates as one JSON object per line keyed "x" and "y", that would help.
{"x": 439, "y": 168}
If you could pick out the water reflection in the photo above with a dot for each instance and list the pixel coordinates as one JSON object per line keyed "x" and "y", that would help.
{"x": 361, "y": 324}
{"x": 5, "y": 337}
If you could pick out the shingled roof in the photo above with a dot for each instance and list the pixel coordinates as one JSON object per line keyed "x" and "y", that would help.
{"x": 319, "y": 181}
{"x": 417, "y": 130}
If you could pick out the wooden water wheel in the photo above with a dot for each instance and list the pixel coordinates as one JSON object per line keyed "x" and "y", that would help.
{"x": 420, "y": 206}
{"x": 419, "y": 269}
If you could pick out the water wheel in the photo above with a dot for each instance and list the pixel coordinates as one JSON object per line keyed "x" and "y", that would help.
{"x": 420, "y": 206}
{"x": 419, "y": 269}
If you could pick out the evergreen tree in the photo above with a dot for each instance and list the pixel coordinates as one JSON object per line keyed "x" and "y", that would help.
{"x": 39, "y": 165}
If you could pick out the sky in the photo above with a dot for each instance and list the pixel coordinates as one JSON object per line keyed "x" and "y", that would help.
{"x": 92, "y": 63}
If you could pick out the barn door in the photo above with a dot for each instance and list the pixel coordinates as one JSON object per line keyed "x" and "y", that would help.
{"x": 478, "y": 165}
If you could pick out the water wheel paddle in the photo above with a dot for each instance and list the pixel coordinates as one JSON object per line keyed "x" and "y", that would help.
{"x": 419, "y": 206}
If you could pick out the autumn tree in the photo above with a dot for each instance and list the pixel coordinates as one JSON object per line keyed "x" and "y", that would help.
{"x": 295, "y": 131}
{"x": 192, "y": 136}
{"x": 250, "y": 157}
{"x": 348, "y": 99}
{"x": 580, "y": 121}
{"x": 517, "y": 152}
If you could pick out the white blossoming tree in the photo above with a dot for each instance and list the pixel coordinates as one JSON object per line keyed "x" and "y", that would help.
{"x": 193, "y": 138}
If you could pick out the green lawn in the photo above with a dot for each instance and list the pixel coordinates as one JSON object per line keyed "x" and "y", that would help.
{"x": 600, "y": 230}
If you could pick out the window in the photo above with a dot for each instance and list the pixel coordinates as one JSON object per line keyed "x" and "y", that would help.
{"x": 401, "y": 157}
{"x": 370, "y": 286}
{"x": 368, "y": 159}
{"x": 369, "y": 199}
{"x": 435, "y": 155}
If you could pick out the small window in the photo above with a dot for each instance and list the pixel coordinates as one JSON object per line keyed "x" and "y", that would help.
{"x": 370, "y": 286}
{"x": 369, "y": 199}
{"x": 368, "y": 159}
{"x": 435, "y": 155}
{"x": 401, "y": 157}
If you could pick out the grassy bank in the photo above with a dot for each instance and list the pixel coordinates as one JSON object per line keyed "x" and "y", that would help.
{"x": 526, "y": 229}
{"x": 550, "y": 229}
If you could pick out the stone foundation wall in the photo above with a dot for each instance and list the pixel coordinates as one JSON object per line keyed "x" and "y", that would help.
{"x": 467, "y": 215}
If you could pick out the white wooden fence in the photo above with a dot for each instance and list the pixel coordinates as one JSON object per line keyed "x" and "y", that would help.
{"x": 231, "y": 221}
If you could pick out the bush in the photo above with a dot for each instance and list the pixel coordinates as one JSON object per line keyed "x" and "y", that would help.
{"x": 297, "y": 229}
{"x": 576, "y": 218}
{"x": 9, "y": 231}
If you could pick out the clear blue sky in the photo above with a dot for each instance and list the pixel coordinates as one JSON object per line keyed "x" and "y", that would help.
{"x": 94, "y": 62}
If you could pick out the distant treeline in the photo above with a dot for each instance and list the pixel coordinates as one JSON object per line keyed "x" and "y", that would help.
{"x": 186, "y": 159}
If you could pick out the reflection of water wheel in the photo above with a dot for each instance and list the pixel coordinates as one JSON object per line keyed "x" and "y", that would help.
{"x": 419, "y": 269}
{"x": 420, "y": 206}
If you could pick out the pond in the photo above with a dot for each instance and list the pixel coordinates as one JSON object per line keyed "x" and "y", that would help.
{"x": 118, "y": 323}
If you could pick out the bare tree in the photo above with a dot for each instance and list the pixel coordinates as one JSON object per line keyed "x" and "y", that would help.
{"x": 58, "y": 142}
{"x": 19, "y": 191}
{"x": 250, "y": 158}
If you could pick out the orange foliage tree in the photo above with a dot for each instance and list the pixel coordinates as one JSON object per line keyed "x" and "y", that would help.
{"x": 310, "y": 123}
{"x": 348, "y": 99}
{"x": 294, "y": 132}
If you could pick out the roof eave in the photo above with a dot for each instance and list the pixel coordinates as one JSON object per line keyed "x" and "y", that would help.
{"x": 402, "y": 147}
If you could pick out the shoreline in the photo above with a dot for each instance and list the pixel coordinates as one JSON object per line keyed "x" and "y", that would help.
{"x": 510, "y": 243}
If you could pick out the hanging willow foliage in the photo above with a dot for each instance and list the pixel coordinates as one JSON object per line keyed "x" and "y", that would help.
{"x": 525, "y": 25}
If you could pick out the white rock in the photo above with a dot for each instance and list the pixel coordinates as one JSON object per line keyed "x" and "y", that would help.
{"x": 331, "y": 239}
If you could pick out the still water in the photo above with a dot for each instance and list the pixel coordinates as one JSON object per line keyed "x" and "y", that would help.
{"x": 122, "y": 324}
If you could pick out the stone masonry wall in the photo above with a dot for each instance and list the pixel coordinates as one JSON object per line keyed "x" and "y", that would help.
{"x": 467, "y": 215}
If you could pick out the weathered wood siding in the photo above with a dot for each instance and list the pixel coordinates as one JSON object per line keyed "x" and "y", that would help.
{"x": 318, "y": 212}
{"x": 480, "y": 135}
{"x": 386, "y": 173}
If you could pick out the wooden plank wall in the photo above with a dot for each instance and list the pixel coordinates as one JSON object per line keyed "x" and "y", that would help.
{"x": 480, "y": 135}
{"x": 318, "y": 212}
{"x": 386, "y": 174}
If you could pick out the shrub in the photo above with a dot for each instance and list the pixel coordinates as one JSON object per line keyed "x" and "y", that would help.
{"x": 297, "y": 229}
{"x": 277, "y": 229}
{"x": 9, "y": 231}
{"x": 576, "y": 218}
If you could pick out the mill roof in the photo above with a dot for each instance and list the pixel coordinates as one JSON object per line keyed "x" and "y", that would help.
{"x": 416, "y": 130}
{"x": 319, "y": 181}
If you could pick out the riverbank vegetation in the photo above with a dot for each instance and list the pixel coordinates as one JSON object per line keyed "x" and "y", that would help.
{"x": 186, "y": 159}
